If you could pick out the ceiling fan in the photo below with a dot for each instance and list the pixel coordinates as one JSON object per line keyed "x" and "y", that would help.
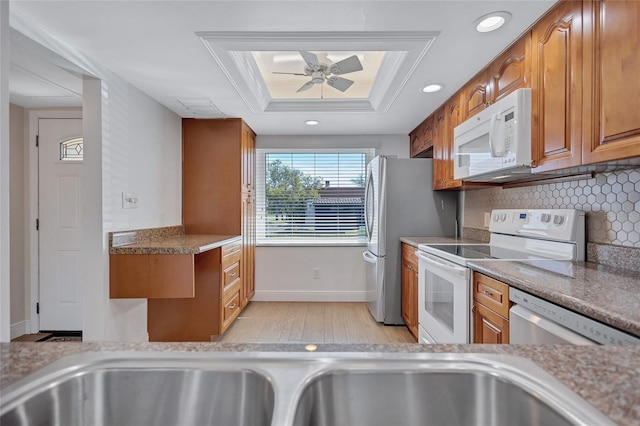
{"x": 321, "y": 72}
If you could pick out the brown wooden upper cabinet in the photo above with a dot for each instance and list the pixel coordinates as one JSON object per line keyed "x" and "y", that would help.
{"x": 582, "y": 64}
{"x": 556, "y": 88}
{"x": 440, "y": 148}
{"x": 611, "y": 77}
{"x": 508, "y": 72}
{"x": 475, "y": 94}
{"x": 421, "y": 139}
{"x": 511, "y": 70}
{"x": 586, "y": 90}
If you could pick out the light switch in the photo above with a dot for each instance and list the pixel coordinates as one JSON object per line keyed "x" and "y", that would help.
{"x": 129, "y": 200}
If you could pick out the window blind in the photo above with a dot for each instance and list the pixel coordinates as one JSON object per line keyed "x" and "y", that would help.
{"x": 311, "y": 196}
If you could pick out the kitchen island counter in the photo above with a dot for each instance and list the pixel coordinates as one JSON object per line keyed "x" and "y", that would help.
{"x": 605, "y": 376}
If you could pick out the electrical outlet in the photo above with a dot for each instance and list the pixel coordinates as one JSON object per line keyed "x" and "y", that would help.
{"x": 487, "y": 219}
{"x": 129, "y": 200}
{"x": 316, "y": 273}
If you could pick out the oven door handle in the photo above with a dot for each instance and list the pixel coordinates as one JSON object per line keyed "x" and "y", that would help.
{"x": 443, "y": 264}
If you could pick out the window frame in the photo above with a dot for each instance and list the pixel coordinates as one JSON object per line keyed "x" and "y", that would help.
{"x": 260, "y": 200}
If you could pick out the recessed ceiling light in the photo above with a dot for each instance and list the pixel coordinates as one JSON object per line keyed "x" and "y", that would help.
{"x": 492, "y": 21}
{"x": 430, "y": 88}
{"x": 312, "y": 122}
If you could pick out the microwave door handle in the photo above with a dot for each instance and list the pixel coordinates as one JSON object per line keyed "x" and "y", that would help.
{"x": 495, "y": 120}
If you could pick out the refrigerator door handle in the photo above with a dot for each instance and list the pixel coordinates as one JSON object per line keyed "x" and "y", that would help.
{"x": 369, "y": 257}
{"x": 369, "y": 208}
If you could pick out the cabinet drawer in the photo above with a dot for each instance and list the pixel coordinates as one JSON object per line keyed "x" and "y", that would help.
{"x": 230, "y": 275}
{"x": 230, "y": 308}
{"x": 231, "y": 252}
{"x": 491, "y": 293}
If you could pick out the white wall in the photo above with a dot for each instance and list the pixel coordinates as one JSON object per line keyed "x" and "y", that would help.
{"x": 132, "y": 144}
{"x": 17, "y": 217}
{"x": 286, "y": 273}
{"x": 141, "y": 153}
{"x": 5, "y": 286}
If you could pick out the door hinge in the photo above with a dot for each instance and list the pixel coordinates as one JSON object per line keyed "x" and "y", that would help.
{"x": 37, "y": 308}
{"x": 37, "y": 224}
{"x": 37, "y": 140}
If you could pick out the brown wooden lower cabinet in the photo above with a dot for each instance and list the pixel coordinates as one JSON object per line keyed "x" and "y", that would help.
{"x": 490, "y": 310}
{"x": 489, "y": 327}
{"x": 203, "y": 318}
{"x": 410, "y": 289}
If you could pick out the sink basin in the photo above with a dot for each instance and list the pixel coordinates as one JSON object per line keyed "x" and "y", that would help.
{"x": 428, "y": 398}
{"x": 282, "y": 389}
{"x": 148, "y": 396}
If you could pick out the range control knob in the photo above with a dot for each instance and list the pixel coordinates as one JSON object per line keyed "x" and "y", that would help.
{"x": 496, "y": 217}
{"x": 558, "y": 220}
{"x": 546, "y": 217}
{"x": 503, "y": 217}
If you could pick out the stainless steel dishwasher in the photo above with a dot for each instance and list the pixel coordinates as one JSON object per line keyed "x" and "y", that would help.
{"x": 535, "y": 321}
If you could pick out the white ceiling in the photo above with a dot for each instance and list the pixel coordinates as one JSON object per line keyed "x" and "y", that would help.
{"x": 163, "y": 48}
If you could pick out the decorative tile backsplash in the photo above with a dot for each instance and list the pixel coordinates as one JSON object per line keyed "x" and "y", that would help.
{"x": 611, "y": 202}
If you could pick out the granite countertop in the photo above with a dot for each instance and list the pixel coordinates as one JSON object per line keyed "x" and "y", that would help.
{"x": 176, "y": 244}
{"x": 605, "y": 376}
{"x": 604, "y": 293}
{"x": 414, "y": 241}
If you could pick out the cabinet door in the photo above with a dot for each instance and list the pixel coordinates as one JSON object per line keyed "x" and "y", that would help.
{"x": 475, "y": 95}
{"x": 409, "y": 284}
{"x": 453, "y": 117}
{"x": 248, "y": 216}
{"x": 248, "y": 158}
{"x": 421, "y": 139}
{"x": 556, "y": 85}
{"x": 406, "y": 278}
{"x": 612, "y": 80}
{"x": 489, "y": 327}
{"x": 440, "y": 149}
{"x": 512, "y": 69}
{"x": 248, "y": 249}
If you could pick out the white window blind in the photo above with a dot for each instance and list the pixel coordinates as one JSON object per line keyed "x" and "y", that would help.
{"x": 311, "y": 196}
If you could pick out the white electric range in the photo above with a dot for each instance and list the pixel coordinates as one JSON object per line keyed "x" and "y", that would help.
{"x": 445, "y": 281}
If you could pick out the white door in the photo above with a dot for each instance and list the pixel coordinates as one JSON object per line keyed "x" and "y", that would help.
{"x": 60, "y": 222}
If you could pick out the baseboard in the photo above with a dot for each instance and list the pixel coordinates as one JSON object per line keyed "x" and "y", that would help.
{"x": 20, "y": 328}
{"x": 310, "y": 296}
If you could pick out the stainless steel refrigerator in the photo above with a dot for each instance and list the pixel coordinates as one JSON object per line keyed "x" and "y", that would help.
{"x": 399, "y": 202}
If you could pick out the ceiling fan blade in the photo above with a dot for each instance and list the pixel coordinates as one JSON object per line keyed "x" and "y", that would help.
{"x": 310, "y": 58}
{"x": 288, "y": 73}
{"x": 339, "y": 83}
{"x": 345, "y": 66}
{"x": 308, "y": 85}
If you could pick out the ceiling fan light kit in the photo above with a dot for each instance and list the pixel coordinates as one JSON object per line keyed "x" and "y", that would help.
{"x": 328, "y": 73}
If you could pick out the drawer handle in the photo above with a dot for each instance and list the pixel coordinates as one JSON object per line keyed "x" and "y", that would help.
{"x": 488, "y": 293}
{"x": 232, "y": 274}
{"x": 232, "y": 306}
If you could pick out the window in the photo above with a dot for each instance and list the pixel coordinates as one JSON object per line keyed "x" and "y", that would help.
{"x": 72, "y": 149}
{"x": 311, "y": 197}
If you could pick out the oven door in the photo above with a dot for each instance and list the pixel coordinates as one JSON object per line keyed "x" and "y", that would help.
{"x": 443, "y": 299}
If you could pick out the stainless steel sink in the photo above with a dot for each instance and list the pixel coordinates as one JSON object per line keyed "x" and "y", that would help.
{"x": 138, "y": 388}
{"x": 133, "y": 395}
{"x": 415, "y": 398}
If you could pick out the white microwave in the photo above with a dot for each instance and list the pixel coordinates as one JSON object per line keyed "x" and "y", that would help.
{"x": 495, "y": 144}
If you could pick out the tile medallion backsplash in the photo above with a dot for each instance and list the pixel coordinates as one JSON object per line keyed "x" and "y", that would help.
{"x": 611, "y": 202}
